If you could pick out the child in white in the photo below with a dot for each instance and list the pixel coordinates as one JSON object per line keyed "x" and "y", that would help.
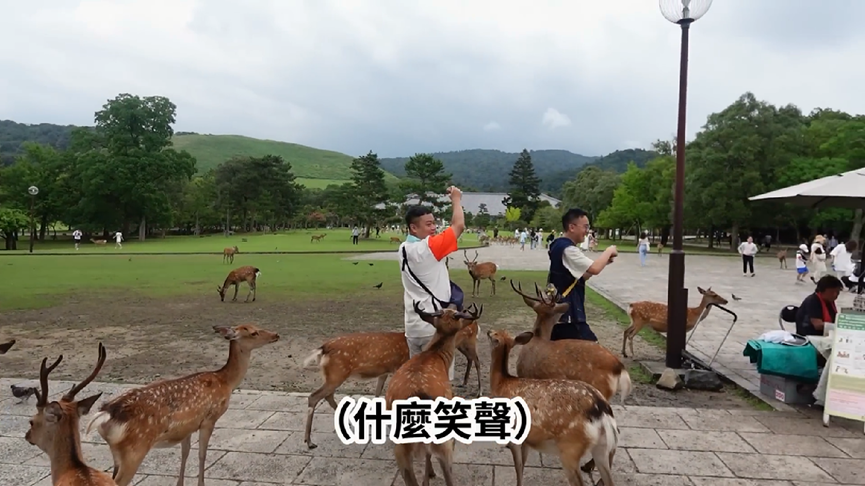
{"x": 801, "y": 263}
{"x": 118, "y": 237}
{"x": 76, "y": 235}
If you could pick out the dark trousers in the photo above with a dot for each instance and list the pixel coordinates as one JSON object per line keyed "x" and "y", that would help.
{"x": 354, "y": 239}
{"x": 747, "y": 262}
{"x": 851, "y": 284}
{"x": 567, "y": 330}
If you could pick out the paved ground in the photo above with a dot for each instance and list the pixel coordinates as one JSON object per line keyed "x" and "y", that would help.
{"x": 259, "y": 442}
{"x": 625, "y": 281}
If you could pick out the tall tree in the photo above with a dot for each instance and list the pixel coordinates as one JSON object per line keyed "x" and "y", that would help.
{"x": 525, "y": 187}
{"x": 369, "y": 188}
{"x": 592, "y": 190}
{"x": 427, "y": 178}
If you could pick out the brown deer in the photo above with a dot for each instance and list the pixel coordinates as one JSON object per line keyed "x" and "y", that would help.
{"x": 167, "y": 412}
{"x": 467, "y": 345}
{"x": 99, "y": 242}
{"x": 660, "y": 248}
{"x": 480, "y": 271}
{"x": 368, "y": 355}
{"x": 228, "y": 254}
{"x": 317, "y": 238}
{"x": 782, "y": 258}
{"x": 655, "y": 315}
{"x": 248, "y": 274}
{"x": 395, "y": 239}
{"x": 6, "y": 346}
{"x": 54, "y": 430}
{"x": 425, "y": 376}
{"x": 569, "y": 418}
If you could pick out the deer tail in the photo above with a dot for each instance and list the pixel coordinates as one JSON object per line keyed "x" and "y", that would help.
{"x": 625, "y": 385}
{"x": 98, "y": 421}
{"x": 313, "y": 359}
{"x": 257, "y": 273}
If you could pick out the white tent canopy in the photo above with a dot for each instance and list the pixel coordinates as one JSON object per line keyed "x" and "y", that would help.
{"x": 845, "y": 190}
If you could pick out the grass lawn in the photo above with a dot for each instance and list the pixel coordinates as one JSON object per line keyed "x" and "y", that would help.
{"x": 338, "y": 240}
{"x": 320, "y": 183}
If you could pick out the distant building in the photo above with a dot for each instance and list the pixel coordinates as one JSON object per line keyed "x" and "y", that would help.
{"x": 472, "y": 202}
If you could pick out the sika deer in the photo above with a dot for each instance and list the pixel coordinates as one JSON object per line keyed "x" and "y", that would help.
{"x": 228, "y": 254}
{"x": 782, "y": 258}
{"x": 54, "y": 430}
{"x": 395, "y": 239}
{"x": 467, "y": 344}
{"x": 655, "y": 315}
{"x": 425, "y": 376}
{"x": 317, "y": 238}
{"x": 480, "y": 271}
{"x": 99, "y": 242}
{"x": 167, "y": 412}
{"x": 660, "y": 248}
{"x": 6, "y": 346}
{"x": 570, "y": 359}
{"x": 569, "y": 417}
{"x": 246, "y": 274}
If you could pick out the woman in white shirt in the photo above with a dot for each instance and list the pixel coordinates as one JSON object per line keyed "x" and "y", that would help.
{"x": 643, "y": 247}
{"x": 818, "y": 258}
{"x": 842, "y": 258}
{"x": 748, "y": 249}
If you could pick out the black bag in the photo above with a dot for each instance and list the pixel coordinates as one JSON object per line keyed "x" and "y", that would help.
{"x": 457, "y": 295}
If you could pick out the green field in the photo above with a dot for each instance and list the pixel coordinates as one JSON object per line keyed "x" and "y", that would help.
{"x": 306, "y": 162}
{"x": 336, "y": 240}
{"x": 320, "y": 183}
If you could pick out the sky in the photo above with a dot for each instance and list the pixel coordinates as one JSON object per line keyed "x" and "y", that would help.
{"x": 399, "y": 77}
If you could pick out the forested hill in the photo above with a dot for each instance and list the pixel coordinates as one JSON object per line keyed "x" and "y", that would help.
{"x": 12, "y": 135}
{"x": 487, "y": 170}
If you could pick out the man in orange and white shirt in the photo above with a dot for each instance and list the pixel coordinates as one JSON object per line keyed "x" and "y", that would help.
{"x": 425, "y": 252}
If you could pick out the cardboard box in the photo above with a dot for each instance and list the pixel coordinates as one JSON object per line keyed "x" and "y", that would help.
{"x": 785, "y": 390}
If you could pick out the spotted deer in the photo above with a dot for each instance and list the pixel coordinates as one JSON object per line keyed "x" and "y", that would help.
{"x": 228, "y": 254}
{"x": 655, "y": 315}
{"x": 367, "y": 356}
{"x": 570, "y": 418}
{"x": 425, "y": 376}
{"x": 167, "y": 412}
{"x": 54, "y": 430}
{"x": 6, "y": 346}
{"x": 248, "y": 274}
{"x": 317, "y": 238}
{"x": 782, "y": 258}
{"x": 480, "y": 271}
{"x": 99, "y": 242}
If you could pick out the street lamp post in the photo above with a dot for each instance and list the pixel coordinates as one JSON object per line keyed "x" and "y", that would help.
{"x": 683, "y": 13}
{"x": 33, "y": 191}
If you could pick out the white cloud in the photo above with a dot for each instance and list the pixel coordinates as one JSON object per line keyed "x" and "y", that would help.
{"x": 492, "y": 126}
{"x": 553, "y": 119}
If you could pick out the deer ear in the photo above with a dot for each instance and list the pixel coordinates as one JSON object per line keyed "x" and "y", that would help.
{"x": 701, "y": 290}
{"x": 85, "y": 405}
{"x": 524, "y": 338}
{"x": 226, "y": 332}
{"x": 53, "y": 412}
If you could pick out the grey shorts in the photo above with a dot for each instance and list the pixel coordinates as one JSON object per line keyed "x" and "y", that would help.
{"x": 416, "y": 345}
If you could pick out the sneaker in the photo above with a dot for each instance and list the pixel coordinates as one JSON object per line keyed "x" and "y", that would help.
{"x": 752, "y": 274}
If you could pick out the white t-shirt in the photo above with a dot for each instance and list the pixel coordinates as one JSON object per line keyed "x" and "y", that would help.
{"x": 748, "y": 249}
{"x": 76, "y": 234}
{"x": 843, "y": 260}
{"x": 523, "y": 237}
{"x": 118, "y": 237}
{"x": 426, "y": 258}
{"x": 800, "y": 261}
{"x": 576, "y": 261}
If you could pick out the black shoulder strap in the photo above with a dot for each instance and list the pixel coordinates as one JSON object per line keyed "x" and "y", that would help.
{"x": 406, "y": 267}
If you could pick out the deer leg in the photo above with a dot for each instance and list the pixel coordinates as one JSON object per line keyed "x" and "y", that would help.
{"x": 571, "y": 465}
{"x": 603, "y": 461}
{"x": 204, "y": 434}
{"x": 516, "y": 452}
{"x": 379, "y": 385}
{"x": 128, "y": 465}
{"x": 493, "y": 281}
{"x": 251, "y": 290}
{"x": 444, "y": 454}
{"x": 326, "y": 391}
{"x": 468, "y": 366}
{"x": 236, "y": 288}
{"x": 478, "y": 370}
{"x": 428, "y": 469}
{"x": 625, "y": 339}
{"x": 403, "y": 455}
{"x": 254, "y": 290}
{"x": 185, "y": 445}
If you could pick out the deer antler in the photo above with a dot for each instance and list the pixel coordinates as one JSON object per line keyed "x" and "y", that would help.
{"x": 70, "y": 395}
{"x": 476, "y": 256}
{"x": 42, "y": 393}
{"x": 466, "y": 255}
{"x": 422, "y": 313}
{"x": 523, "y": 294}
{"x": 470, "y": 315}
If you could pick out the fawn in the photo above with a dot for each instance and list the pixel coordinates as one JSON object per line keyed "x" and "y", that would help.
{"x": 228, "y": 254}
{"x": 167, "y": 412}
{"x": 54, "y": 430}
{"x": 247, "y": 274}
{"x": 782, "y": 258}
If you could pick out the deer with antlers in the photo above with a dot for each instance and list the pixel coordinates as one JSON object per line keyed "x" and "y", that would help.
{"x": 54, "y": 430}
{"x": 228, "y": 254}
{"x": 654, "y": 314}
{"x": 480, "y": 271}
{"x": 425, "y": 376}
{"x": 569, "y": 417}
{"x": 317, "y": 238}
{"x": 248, "y": 274}
{"x": 6, "y": 346}
{"x": 167, "y": 412}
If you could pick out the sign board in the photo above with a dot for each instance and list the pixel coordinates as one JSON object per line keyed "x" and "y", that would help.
{"x": 845, "y": 389}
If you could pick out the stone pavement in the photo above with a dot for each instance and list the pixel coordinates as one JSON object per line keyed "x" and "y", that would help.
{"x": 259, "y": 442}
{"x": 625, "y": 281}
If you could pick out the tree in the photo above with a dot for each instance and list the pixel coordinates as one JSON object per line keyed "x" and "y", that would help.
{"x": 512, "y": 214}
{"x": 11, "y": 221}
{"x": 426, "y": 177}
{"x": 482, "y": 219}
{"x": 592, "y": 191}
{"x": 547, "y": 217}
{"x": 525, "y": 186}
{"x": 369, "y": 188}
{"x": 42, "y": 166}
{"x": 261, "y": 190}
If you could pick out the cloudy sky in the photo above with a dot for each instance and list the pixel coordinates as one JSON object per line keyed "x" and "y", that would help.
{"x": 405, "y": 76}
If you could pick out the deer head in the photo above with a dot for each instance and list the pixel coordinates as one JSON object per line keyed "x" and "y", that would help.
{"x": 221, "y": 292}
{"x": 471, "y": 264}
{"x": 499, "y": 338}
{"x": 6, "y": 346}
{"x": 710, "y": 297}
{"x": 59, "y": 419}
{"x": 236, "y": 250}
{"x": 449, "y": 321}
{"x": 248, "y": 336}
{"x": 545, "y": 303}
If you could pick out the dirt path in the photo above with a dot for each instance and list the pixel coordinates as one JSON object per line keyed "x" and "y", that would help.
{"x": 148, "y": 339}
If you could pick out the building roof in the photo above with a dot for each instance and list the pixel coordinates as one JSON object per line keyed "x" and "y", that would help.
{"x": 472, "y": 202}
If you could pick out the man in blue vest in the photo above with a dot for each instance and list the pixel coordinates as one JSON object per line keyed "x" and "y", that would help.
{"x": 569, "y": 270}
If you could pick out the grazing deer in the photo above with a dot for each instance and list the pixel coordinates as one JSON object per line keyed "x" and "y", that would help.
{"x": 395, "y": 239}
{"x": 569, "y": 418}
{"x": 6, "y": 346}
{"x": 480, "y": 271}
{"x": 167, "y": 412}
{"x": 368, "y": 355}
{"x": 247, "y": 274}
{"x": 317, "y": 238}
{"x": 228, "y": 254}
{"x": 54, "y": 430}
{"x": 99, "y": 242}
{"x": 655, "y": 315}
{"x": 782, "y": 258}
{"x": 425, "y": 376}
{"x": 660, "y": 248}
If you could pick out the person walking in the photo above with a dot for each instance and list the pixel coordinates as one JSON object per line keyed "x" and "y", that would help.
{"x": 76, "y": 235}
{"x": 424, "y": 270}
{"x": 118, "y": 237}
{"x": 355, "y": 234}
{"x": 801, "y": 263}
{"x": 842, "y": 258}
{"x": 643, "y": 247}
{"x": 523, "y": 236}
{"x": 748, "y": 249}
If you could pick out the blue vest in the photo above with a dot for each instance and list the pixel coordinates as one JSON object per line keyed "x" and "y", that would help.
{"x": 572, "y": 324}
